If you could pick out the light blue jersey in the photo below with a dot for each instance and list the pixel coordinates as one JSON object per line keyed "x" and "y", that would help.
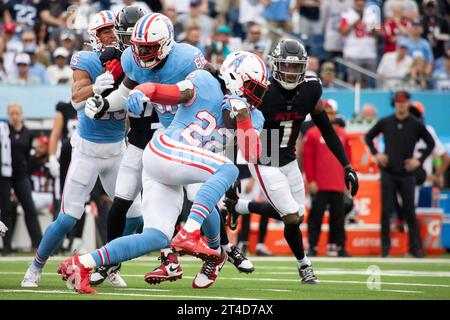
{"x": 182, "y": 60}
{"x": 111, "y": 127}
{"x": 200, "y": 123}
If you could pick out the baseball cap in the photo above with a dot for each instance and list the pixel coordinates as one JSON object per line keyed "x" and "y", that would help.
{"x": 402, "y": 96}
{"x": 9, "y": 27}
{"x": 328, "y": 67}
{"x": 67, "y": 35}
{"x": 223, "y": 29}
{"x": 22, "y": 58}
{"x": 43, "y": 139}
{"x": 63, "y": 52}
{"x": 402, "y": 43}
{"x": 330, "y": 105}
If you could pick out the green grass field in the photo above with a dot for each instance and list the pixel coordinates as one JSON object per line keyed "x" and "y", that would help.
{"x": 274, "y": 278}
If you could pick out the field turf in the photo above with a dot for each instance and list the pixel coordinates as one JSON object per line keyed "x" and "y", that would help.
{"x": 274, "y": 278}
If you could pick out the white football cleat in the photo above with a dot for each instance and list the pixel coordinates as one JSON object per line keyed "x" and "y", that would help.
{"x": 32, "y": 277}
{"x": 3, "y": 229}
{"x": 209, "y": 272}
{"x": 115, "y": 279}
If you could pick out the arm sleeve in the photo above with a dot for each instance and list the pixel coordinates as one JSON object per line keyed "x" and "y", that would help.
{"x": 308, "y": 156}
{"x": 376, "y": 129}
{"x": 429, "y": 141}
{"x": 331, "y": 138}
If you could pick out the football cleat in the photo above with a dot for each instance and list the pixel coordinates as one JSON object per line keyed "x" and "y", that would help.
{"x": 193, "y": 244}
{"x": 236, "y": 257}
{"x": 32, "y": 277}
{"x": 209, "y": 271}
{"x": 231, "y": 198}
{"x": 307, "y": 274}
{"x": 110, "y": 272}
{"x": 169, "y": 270}
{"x": 76, "y": 275}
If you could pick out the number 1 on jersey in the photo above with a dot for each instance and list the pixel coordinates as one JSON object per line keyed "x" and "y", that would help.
{"x": 287, "y": 131}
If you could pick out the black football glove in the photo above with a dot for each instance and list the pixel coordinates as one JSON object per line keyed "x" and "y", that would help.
{"x": 351, "y": 180}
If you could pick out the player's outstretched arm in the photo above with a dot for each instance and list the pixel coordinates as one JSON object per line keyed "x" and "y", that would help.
{"x": 333, "y": 142}
{"x": 81, "y": 88}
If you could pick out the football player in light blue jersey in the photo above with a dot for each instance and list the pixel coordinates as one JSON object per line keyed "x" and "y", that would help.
{"x": 173, "y": 160}
{"x": 97, "y": 145}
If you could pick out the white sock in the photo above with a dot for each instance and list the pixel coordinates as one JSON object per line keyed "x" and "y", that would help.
{"x": 192, "y": 225}
{"x": 304, "y": 261}
{"x": 227, "y": 247}
{"x": 87, "y": 260}
{"x": 242, "y": 206}
{"x": 166, "y": 251}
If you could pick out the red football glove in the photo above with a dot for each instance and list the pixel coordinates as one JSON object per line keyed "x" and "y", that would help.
{"x": 115, "y": 68}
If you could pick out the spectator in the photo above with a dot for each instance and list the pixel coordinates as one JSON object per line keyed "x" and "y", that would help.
{"x": 313, "y": 66}
{"x": 328, "y": 75}
{"x": 394, "y": 27}
{"x": 261, "y": 49}
{"x": 331, "y": 13}
{"x": 368, "y": 113}
{"x": 219, "y": 48}
{"x": 433, "y": 177}
{"x": 326, "y": 187}
{"x": 250, "y": 13}
{"x": 42, "y": 37}
{"x": 11, "y": 46}
{"x": 40, "y": 178}
{"x": 60, "y": 72}
{"x": 441, "y": 78}
{"x": 417, "y": 77}
{"x": 54, "y": 13}
{"x": 395, "y": 66}
{"x": 171, "y": 12}
{"x": 193, "y": 37}
{"x": 401, "y": 132}
{"x": 309, "y": 10}
{"x": 410, "y": 9}
{"x": 254, "y": 35}
{"x": 21, "y": 143}
{"x": 278, "y": 19}
{"x": 416, "y": 43}
{"x": 359, "y": 27}
{"x": 198, "y": 15}
{"x": 435, "y": 28}
{"x": 24, "y": 13}
{"x": 67, "y": 41}
{"x": 23, "y": 77}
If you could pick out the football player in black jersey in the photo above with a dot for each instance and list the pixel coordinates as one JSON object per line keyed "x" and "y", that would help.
{"x": 291, "y": 97}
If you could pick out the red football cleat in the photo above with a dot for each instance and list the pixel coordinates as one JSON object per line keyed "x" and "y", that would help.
{"x": 192, "y": 243}
{"x": 209, "y": 271}
{"x": 76, "y": 275}
{"x": 169, "y": 270}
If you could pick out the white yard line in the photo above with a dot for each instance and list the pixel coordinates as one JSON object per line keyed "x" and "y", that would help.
{"x": 274, "y": 280}
{"x": 387, "y": 273}
{"x": 125, "y": 294}
{"x": 402, "y": 291}
{"x": 271, "y": 259}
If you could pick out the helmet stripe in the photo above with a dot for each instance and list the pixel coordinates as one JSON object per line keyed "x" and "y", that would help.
{"x": 263, "y": 67}
{"x": 102, "y": 14}
{"x": 141, "y": 26}
{"x": 110, "y": 16}
{"x": 149, "y": 22}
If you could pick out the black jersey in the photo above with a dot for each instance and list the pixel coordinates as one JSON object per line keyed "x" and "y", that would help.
{"x": 40, "y": 177}
{"x": 70, "y": 120}
{"x": 284, "y": 112}
{"x": 21, "y": 143}
{"x": 141, "y": 131}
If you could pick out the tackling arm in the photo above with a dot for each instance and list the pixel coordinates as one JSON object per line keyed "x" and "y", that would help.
{"x": 81, "y": 88}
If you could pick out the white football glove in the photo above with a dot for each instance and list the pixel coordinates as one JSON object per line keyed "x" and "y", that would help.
{"x": 3, "y": 229}
{"x": 103, "y": 82}
{"x": 93, "y": 106}
{"x": 53, "y": 166}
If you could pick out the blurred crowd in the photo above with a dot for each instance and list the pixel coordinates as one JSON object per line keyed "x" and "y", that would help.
{"x": 389, "y": 44}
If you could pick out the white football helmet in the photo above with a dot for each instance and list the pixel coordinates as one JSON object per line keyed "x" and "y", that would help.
{"x": 101, "y": 20}
{"x": 245, "y": 75}
{"x": 152, "y": 40}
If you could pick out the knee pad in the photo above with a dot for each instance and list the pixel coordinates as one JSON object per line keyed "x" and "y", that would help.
{"x": 292, "y": 219}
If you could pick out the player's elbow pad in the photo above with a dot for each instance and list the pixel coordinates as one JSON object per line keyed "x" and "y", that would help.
{"x": 118, "y": 98}
{"x": 248, "y": 141}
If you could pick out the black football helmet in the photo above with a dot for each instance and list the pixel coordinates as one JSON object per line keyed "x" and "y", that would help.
{"x": 124, "y": 24}
{"x": 288, "y": 61}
